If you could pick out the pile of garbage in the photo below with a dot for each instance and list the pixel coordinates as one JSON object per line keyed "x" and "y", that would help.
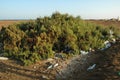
{"x": 2, "y": 57}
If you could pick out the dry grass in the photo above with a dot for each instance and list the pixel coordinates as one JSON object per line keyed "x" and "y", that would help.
{"x": 10, "y": 22}
{"x": 106, "y": 22}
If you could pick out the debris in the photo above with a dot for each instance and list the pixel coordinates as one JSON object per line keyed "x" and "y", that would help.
{"x": 111, "y": 33}
{"x": 56, "y": 65}
{"x": 91, "y": 67}
{"x": 3, "y": 58}
{"x": 91, "y": 50}
{"x": 34, "y": 67}
{"x": 45, "y": 77}
{"x": 50, "y": 67}
{"x": 84, "y": 52}
{"x": 107, "y": 44}
{"x": 113, "y": 40}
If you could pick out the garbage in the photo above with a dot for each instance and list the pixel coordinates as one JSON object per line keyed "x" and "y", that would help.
{"x": 56, "y": 65}
{"x": 111, "y": 33}
{"x": 50, "y": 67}
{"x": 45, "y": 77}
{"x": 3, "y": 58}
{"x": 91, "y": 67}
{"x": 91, "y": 50}
{"x": 113, "y": 40}
{"x": 34, "y": 67}
{"x": 107, "y": 44}
{"x": 83, "y": 52}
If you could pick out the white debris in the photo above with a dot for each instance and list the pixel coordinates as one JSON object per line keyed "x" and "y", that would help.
{"x": 91, "y": 67}
{"x": 83, "y": 52}
{"x": 91, "y": 50}
{"x": 107, "y": 44}
{"x": 111, "y": 34}
{"x": 50, "y": 67}
{"x": 56, "y": 65}
{"x": 34, "y": 67}
{"x": 3, "y": 58}
{"x": 45, "y": 77}
{"x": 113, "y": 40}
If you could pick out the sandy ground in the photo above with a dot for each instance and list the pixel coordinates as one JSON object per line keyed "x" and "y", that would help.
{"x": 107, "y": 67}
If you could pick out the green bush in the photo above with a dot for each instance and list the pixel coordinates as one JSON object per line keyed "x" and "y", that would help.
{"x": 35, "y": 40}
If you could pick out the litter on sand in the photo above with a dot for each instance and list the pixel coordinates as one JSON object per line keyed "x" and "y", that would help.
{"x": 83, "y": 52}
{"x": 91, "y": 67}
{"x": 56, "y": 65}
{"x": 50, "y": 67}
{"x": 3, "y": 58}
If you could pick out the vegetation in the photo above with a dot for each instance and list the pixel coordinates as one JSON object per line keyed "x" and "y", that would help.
{"x": 35, "y": 40}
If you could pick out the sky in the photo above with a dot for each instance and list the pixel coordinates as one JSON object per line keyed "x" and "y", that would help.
{"x": 87, "y": 9}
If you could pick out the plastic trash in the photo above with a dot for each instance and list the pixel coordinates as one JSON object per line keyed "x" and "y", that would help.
{"x": 50, "y": 67}
{"x": 45, "y": 77}
{"x": 56, "y": 65}
{"x": 91, "y": 67}
{"x": 83, "y": 52}
{"x": 3, "y": 58}
{"x": 107, "y": 44}
{"x": 111, "y": 32}
{"x": 113, "y": 40}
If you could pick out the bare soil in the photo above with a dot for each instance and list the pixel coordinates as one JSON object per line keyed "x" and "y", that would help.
{"x": 107, "y": 68}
